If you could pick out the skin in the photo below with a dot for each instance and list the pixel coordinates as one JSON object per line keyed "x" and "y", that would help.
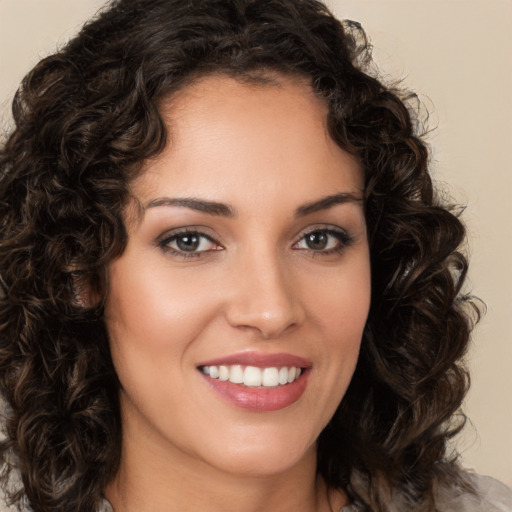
{"x": 264, "y": 151}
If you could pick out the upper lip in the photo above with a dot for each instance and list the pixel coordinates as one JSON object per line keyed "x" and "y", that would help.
{"x": 259, "y": 359}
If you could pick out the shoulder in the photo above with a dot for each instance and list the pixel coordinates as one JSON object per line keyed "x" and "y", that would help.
{"x": 5, "y": 506}
{"x": 490, "y": 496}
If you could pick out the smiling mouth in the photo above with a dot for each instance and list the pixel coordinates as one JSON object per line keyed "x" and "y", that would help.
{"x": 253, "y": 376}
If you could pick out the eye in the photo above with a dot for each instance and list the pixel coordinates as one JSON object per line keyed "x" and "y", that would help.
{"x": 325, "y": 240}
{"x": 189, "y": 243}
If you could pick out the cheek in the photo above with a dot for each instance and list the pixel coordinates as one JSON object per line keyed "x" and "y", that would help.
{"x": 152, "y": 318}
{"x": 338, "y": 306}
{"x": 339, "y": 302}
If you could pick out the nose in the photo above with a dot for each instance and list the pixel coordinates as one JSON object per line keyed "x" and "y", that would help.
{"x": 265, "y": 298}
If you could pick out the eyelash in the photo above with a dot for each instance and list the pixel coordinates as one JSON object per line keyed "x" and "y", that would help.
{"x": 164, "y": 244}
{"x": 343, "y": 238}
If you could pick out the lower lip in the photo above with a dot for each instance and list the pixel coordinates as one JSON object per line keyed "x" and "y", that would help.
{"x": 260, "y": 399}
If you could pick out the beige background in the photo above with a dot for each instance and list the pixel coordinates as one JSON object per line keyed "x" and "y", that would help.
{"x": 457, "y": 55}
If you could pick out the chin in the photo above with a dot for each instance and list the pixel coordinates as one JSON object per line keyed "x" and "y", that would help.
{"x": 264, "y": 455}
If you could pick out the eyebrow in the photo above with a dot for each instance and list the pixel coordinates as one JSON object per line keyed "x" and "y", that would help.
{"x": 200, "y": 205}
{"x": 327, "y": 202}
{"x": 225, "y": 210}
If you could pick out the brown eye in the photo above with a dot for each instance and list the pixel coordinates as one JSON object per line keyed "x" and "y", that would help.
{"x": 189, "y": 242}
{"x": 317, "y": 240}
{"x": 324, "y": 241}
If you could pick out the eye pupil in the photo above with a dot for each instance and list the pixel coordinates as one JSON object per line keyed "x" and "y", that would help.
{"x": 187, "y": 242}
{"x": 317, "y": 240}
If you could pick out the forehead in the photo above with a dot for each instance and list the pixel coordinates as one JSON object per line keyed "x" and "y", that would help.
{"x": 219, "y": 101}
{"x": 216, "y": 85}
{"x": 227, "y": 136}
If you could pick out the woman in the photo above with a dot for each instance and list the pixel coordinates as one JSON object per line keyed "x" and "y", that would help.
{"x": 226, "y": 281}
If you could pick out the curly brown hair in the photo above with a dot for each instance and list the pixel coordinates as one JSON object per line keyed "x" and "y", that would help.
{"x": 87, "y": 117}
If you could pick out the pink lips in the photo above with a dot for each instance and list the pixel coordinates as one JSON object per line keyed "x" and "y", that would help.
{"x": 259, "y": 359}
{"x": 260, "y": 399}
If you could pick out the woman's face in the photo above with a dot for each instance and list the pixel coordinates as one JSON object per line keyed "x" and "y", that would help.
{"x": 248, "y": 262}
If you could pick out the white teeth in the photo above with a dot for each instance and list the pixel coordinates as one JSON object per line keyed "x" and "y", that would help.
{"x": 283, "y": 376}
{"x": 270, "y": 377}
{"x": 236, "y": 374}
{"x": 252, "y": 376}
{"x": 223, "y": 373}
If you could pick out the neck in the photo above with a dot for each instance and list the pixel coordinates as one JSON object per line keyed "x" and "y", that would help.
{"x": 147, "y": 482}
